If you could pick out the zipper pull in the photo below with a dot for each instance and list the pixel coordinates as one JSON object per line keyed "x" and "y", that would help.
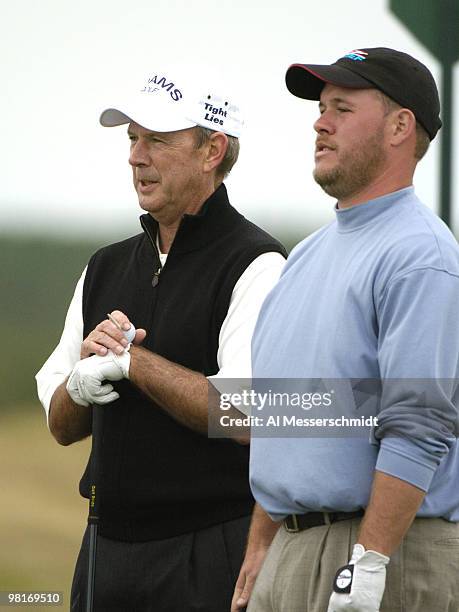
{"x": 155, "y": 279}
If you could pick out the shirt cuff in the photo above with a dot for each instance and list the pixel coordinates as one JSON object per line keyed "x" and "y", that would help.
{"x": 397, "y": 458}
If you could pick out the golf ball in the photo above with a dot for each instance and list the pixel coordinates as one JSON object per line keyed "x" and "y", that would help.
{"x": 130, "y": 333}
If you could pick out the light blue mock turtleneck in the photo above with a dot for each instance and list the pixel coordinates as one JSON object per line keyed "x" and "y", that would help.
{"x": 373, "y": 295}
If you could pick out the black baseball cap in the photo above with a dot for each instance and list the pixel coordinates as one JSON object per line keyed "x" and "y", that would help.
{"x": 401, "y": 77}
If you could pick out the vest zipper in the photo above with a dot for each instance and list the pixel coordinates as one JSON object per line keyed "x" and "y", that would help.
{"x": 157, "y": 272}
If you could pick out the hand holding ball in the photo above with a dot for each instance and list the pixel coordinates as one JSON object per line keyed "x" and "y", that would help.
{"x": 130, "y": 334}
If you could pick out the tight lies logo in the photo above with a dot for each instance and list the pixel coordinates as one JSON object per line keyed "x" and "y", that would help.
{"x": 357, "y": 55}
{"x": 158, "y": 83}
{"x": 216, "y": 112}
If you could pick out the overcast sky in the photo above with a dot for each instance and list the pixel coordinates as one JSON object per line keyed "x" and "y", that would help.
{"x": 63, "y": 61}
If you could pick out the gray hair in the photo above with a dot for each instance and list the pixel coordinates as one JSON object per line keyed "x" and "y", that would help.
{"x": 232, "y": 152}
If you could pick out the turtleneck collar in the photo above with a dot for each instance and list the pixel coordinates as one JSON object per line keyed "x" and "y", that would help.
{"x": 355, "y": 217}
{"x": 201, "y": 228}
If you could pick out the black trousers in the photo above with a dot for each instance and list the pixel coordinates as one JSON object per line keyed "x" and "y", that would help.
{"x": 194, "y": 572}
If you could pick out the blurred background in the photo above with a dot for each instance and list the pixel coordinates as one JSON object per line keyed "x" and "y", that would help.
{"x": 66, "y": 190}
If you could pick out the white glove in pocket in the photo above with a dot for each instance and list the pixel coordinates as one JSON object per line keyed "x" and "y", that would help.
{"x": 359, "y": 586}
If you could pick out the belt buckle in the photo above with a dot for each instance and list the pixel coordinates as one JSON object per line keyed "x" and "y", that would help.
{"x": 295, "y": 528}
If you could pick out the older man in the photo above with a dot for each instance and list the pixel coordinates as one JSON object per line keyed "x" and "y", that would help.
{"x": 174, "y": 505}
{"x": 375, "y": 297}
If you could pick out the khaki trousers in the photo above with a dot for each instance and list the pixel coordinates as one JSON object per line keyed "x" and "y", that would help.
{"x": 299, "y": 569}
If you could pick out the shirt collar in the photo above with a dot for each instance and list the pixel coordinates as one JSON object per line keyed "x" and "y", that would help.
{"x": 358, "y": 216}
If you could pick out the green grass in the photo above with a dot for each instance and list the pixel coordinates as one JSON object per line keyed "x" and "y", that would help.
{"x": 42, "y": 516}
{"x": 37, "y": 279}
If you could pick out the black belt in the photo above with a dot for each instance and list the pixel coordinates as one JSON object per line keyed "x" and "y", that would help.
{"x": 294, "y": 523}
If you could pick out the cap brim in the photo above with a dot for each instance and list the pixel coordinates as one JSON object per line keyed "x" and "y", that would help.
{"x": 158, "y": 117}
{"x": 307, "y": 80}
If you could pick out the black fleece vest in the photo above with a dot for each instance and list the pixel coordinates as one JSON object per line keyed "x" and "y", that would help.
{"x": 156, "y": 478}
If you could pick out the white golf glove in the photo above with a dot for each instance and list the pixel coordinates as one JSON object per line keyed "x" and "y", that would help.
{"x": 85, "y": 381}
{"x": 359, "y": 586}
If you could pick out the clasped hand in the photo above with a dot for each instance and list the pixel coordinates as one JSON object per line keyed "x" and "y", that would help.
{"x": 110, "y": 362}
{"x": 85, "y": 384}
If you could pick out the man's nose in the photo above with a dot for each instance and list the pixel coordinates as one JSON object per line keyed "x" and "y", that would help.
{"x": 138, "y": 155}
{"x": 324, "y": 124}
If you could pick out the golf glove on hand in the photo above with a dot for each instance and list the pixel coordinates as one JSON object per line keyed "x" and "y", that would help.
{"x": 85, "y": 381}
{"x": 359, "y": 586}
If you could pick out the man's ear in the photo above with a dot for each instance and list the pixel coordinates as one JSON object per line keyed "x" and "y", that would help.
{"x": 402, "y": 126}
{"x": 215, "y": 151}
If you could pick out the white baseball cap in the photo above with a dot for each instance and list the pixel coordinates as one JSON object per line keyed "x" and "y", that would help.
{"x": 163, "y": 104}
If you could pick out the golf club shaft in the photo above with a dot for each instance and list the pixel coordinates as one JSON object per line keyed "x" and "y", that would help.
{"x": 91, "y": 567}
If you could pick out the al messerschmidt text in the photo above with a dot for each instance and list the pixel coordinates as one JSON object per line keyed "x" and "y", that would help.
{"x": 293, "y": 421}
